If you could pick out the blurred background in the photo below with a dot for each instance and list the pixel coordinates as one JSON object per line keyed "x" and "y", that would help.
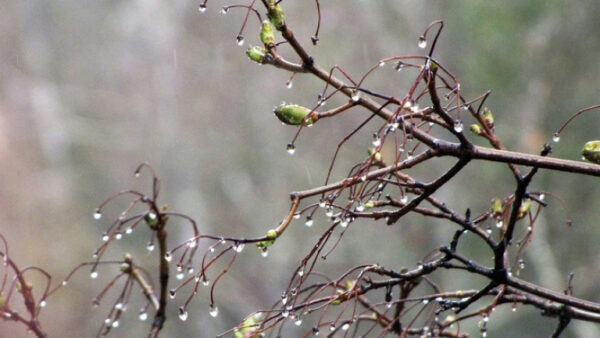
{"x": 89, "y": 89}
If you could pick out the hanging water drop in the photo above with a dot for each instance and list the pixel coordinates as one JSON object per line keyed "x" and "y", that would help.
{"x": 332, "y": 327}
{"x": 192, "y": 244}
{"x": 107, "y": 321}
{"x": 289, "y": 84}
{"x": 404, "y": 199}
{"x": 214, "y": 311}
{"x": 150, "y": 246}
{"x": 183, "y": 314}
{"x": 190, "y": 270}
{"x": 94, "y": 275}
{"x": 285, "y": 313}
{"x": 297, "y": 216}
{"x": 128, "y": 231}
{"x": 291, "y": 148}
{"x": 345, "y": 327}
{"x": 309, "y": 221}
{"x": 105, "y": 237}
{"x": 344, "y": 223}
{"x": 202, "y": 8}
{"x": 422, "y": 42}
{"x": 224, "y": 10}
{"x": 315, "y": 331}
{"x": 239, "y": 247}
{"x": 240, "y": 40}
{"x": 119, "y": 306}
{"x": 360, "y": 207}
{"x": 329, "y": 212}
{"x": 381, "y": 63}
{"x": 399, "y": 66}
{"x": 115, "y": 324}
{"x": 425, "y": 301}
{"x": 205, "y": 282}
{"x": 264, "y": 252}
{"x": 499, "y": 223}
{"x": 64, "y": 283}
{"x": 521, "y": 264}
{"x": 376, "y": 140}
{"x": 555, "y": 138}
{"x": 172, "y": 293}
{"x": 168, "y": 257}
{"x": 284, "y": 298}
{"x": 97, "y": 214}
{"x": 180, "y": 275}
{"x": 43, "y": 303}
{"x": 301, "y": 272}
{"x": 355, "y": 96}
{"x": 118, "y": 236}
{"x": 458, "y": 126}
{"x": 388, "y": 305}
{"x": 298, "y": 322}
{"x": 143, "y": 315}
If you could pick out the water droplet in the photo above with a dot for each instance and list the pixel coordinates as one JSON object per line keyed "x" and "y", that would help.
{"x": 183, "y": 314}
{"x": 143, "y": 316}
{"x": 205, "y": 282}
{"x": 118, "y": 236}
{"x": 298, "y": 322}
{"x": 399, "y": 66}
{"x": 360, "y": 207}
{"x": 224, "y": 10}
{"x": 214, "y": 311}
{"x": 105, "y": 237}
{"x": 499, "y": 223}
{"x": 363, "y": 178}
{"x": 289, "y": 84}
{"x": 94, "y": 275}
{"x": 458, "y": 126}
{"x": 202, "y": 8}
{"x": 315, "y": 331}
{"x": 414, "y": 108}
{"x": 555, "y": 138}
{"x": 488, "y": 230}
{"x": 172, "y": 293}
{"x": 43, "y": 303}
{"x": 542, "y": 197}
{"x": 425, "y": 301}
{"x": 190, "y": 270}
{"x": 521, "y": 264}
{"x": 107, "y": 321}
{"x": 97, "y": 214}
{"x": 192, "y": 244}
{"x": 64, "y": 283}
{"x": 355, "y": 96}
{"x": 381, "y": 63}
{"x": 344, "y": 223}
{"x": 151, "y": 216}
{"x": 239, "y": 247}
{"x": 404, "y": 199}
{"x": 376, "y": 141}
{"x": 168, "y": 257}
{"x": 128, "y": 231}
{"x": 309, "y": 221}
{"x": 284, "y": 298}
{"x": 180, "y": 275}
{"x": 345, "y": 327}
{"x": 115, "y": 324}
{"x": 329, "y": 212}
{"x": 301, "y": 272}
{"x": 240, "y": 40}
{"x": 291, "y": 148}
{"x": 285, "y": 313}
{"x": 422, "y": 42}
{"x": 119, "y": 306}
{"x": 150, "y": 246}
{"x": 529, "y": 228}
{"x": 514, "y": 309}
{"x": 297, "y": 216}
{"x": 388, "y": 305}
{"x": 264, "y": 252}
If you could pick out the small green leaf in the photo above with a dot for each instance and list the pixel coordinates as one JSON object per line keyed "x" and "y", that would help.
{"x": 275, "y": 14}
{"x": 488, "y": 117}
{"x": 256, "y": 54}
{"x": 476, "y": 129}
{"x": 267, "y": 35}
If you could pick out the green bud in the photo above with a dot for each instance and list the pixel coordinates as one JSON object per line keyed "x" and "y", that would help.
{"x": 272, "y": 234}
{"x": 488, "y": 117}
{"x": 293, "y": 114}
{"x": 257, "y": 54}
{"x": 124, "y": 267}
{"x": 376, "y": 155}
{"x": 369, "y": 205}
{"x": 476, "y": 129}
{"x": 497, "y": 206}
{"x": 267, "y": 35}
{"x": 275, "y": 14}
{"x": 591, "y": 151}
{"x": 524, "y": 209}
{"x": 2, "y": 300}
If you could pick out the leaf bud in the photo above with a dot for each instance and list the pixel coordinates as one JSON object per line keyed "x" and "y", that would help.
{"x": 591, "y": 151}
{"x": 267, "y": 35}
{"x": 294, "y": 114}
